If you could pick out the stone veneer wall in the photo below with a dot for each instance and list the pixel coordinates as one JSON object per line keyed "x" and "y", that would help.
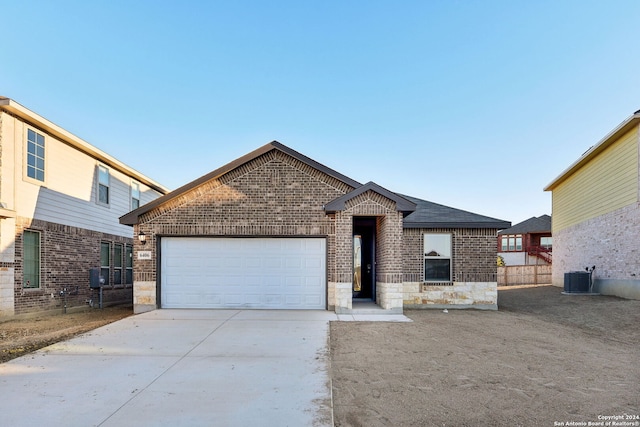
{"x": 474, "y": 270}
{"x": 67, "y": 254}
{"x": 480, "y": 295}
{"x": 610, "y": 242}
{"x": 7, "y": 253}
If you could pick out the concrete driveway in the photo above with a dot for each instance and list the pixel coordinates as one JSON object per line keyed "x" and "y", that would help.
{"x": 179, "y": 368}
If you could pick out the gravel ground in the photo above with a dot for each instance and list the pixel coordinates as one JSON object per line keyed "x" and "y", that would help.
{"x": 542, "y": 359}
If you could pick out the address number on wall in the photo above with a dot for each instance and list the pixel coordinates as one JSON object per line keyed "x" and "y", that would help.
{"x": 144, "y": 254}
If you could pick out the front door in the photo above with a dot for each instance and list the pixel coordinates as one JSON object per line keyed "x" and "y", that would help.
{"x": 363, "y": 258}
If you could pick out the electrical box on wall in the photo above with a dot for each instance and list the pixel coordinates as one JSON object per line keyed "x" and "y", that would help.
{"x": 94, "y": 278}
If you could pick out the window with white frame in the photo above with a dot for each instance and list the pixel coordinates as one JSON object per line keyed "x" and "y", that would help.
{"x": 31, "y": 259}
{"x": 437, "y": 257}
{"x": 135, "y": 195}
{"x": 35, "y": 155}
{"x": 546, "y": 242}
{"x": 511, "y": 243}
{"x": 103, "y": 185}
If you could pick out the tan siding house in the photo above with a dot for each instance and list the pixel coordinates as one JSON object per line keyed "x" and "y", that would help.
{"x": 596, "y": 213}
{"x": 58, "y": 218}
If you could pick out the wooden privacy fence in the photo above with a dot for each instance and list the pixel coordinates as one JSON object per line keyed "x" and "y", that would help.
{"x": 524, "y": 275}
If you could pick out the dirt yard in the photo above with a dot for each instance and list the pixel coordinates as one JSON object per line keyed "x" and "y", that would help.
{"x": 543, "y": 359}
{"x": 19, "y": 337}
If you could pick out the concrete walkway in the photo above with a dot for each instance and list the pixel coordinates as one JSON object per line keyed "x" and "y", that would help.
{"x": 179, "y": 368}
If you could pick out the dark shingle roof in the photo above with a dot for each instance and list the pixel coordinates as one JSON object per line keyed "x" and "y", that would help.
{"x": 402, "y": 203}
{"x": 426, "y": 214}
{"x": 433, "y": 215}
{"x": 541, "y": 224}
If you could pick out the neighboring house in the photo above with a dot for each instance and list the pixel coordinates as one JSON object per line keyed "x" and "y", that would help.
{"x": 60, "y": 202}
{"x": 527, "y": 243}
{"x": 596, "y": 213}
{"x": 276, "y": 229}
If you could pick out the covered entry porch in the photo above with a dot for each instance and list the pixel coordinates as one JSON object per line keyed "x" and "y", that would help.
{"x": 367, "y": 276}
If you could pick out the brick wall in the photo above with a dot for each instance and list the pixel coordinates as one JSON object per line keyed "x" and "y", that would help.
{"x": 272, "y": 195}
{"x": 474, "y": 254}
{"x": 388, "y": 245}
{"x": 609, "y": 242}
{"x": 67, "y": 254}
{"x": 277, "y": 195}
{"x": 474, "y": 270}
{"x": 343, "y": 248}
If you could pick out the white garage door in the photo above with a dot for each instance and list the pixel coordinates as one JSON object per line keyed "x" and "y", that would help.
{"x": 284, "y": 273}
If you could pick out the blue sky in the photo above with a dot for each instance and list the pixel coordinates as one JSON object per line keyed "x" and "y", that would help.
{"x": 472, "y": 104}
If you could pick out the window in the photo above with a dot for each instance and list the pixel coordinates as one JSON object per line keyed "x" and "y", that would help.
{"x": 117, "y": 264}
{"x": 105, "y": 262}
{"x": 31, "y": 259}
{"x": 437, "y": 257}
{"x": 357, "y": 263}
{"x": 518, "y": 243}
{"x": 103, "y": 185}
{"x": 512, "y": 243}
{"x": 135, "y": 195}
{"x": 128, "y": 256}
{"x": 546, "y": 242}
{"x": 35, "y": 155}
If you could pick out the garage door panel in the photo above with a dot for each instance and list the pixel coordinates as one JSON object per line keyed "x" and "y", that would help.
{"x": 273, "y": 300}
{"x": 296, "y": 281}
{"x": 313, "y": 262}
{"x": 230, "y": 261}
{"x": 294, "y": 263}
{"x": 243, "y": 273}
{"x": 293, "y": 300}
{"x": 232, "y": 300}
{"x": 271, "y": 282}
{"x": 253, "y": 262}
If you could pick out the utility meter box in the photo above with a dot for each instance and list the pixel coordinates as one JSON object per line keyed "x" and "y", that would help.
{"x": 94, "y": 278}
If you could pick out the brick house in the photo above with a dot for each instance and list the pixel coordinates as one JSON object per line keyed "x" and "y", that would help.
{"x": 527, "y": 243}
{"x": 276, "y": 229}
{"x": 596, "y": 213}
{"x": 60, "y": 200}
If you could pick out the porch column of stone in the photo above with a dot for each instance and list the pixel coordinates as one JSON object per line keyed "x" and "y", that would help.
{"x": 7, "y": 273}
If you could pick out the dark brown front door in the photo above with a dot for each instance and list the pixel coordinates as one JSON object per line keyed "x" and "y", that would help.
{"x": 363, "y": 258}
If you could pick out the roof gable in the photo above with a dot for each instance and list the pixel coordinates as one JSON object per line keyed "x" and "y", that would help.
{"x": 402, "y": 204}
{"x": 132, "y": 217}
